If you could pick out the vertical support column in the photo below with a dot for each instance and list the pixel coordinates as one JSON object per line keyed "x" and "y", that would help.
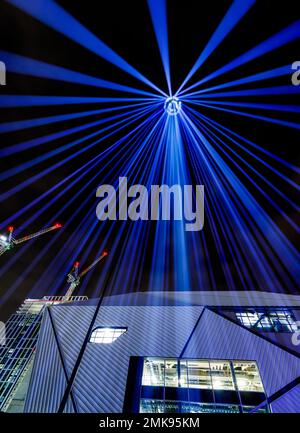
{"x": 236, "y": 387}
{"x": 133, "y": 385}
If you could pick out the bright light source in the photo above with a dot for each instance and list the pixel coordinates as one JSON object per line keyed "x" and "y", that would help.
{"x": 218, "y": 384}
{"x": 3, "y": 238}
{"x": 172, "y": 106}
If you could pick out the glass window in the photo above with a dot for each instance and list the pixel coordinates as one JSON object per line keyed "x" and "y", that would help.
{"x": 212, "y": 375}
{"x": 209, "y": 408}
{"x": 172, "y": 406}
{"x": 161, "y": 406}
{"x": 248, "y": 319}
{"x": 154, "y": 372}
{"x": 283, "y": 321}
{"x": 171, "y": 373}
{"x": 160, "y": 372}
{"x": 269, "y": 320}
{"x": 183, "y": 377}
{"x": 247, "y": 376}
{"x": 152, "y": 406}
{"x": 247, "y": 409}
{"x": 221, "y": 375}
{"x": 199, "y": 374}
{"x": 106, "y": 335}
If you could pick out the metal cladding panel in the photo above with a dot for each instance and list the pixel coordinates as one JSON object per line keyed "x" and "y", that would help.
{"x": 71, "y": 324}
{"x": 289, "y": 402}
{"x": 216, "y": 337}
{"x": 47, "y": 377}
{"x": 101, "y": 379}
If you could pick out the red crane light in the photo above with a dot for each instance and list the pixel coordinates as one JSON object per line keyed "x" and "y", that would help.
{"x": 10, "y": 229}
{"x": 76, "y": 264}
{"x": 57, "y": 225}
{"x": 105, "y": 253}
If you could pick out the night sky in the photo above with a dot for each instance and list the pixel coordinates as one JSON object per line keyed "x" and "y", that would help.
{"x": 126, "y": 27}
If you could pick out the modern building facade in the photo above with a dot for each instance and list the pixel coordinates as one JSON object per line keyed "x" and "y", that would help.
{"x": 17, "y": 354}
{"x": 188, "y": 352}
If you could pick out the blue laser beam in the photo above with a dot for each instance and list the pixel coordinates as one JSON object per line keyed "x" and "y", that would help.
{"x": 253, "y": 116}
{"x": 233, "y": 16}
{"x": 9, "y": 150}
{"x": 13, "y": 126}
{"x": 285, "y": 36}
{"x": 44, "y": 157}
{"x": 36, "y": 68}
{"x": 220, "y": 128}
{"x": 8, "y": 101}
{"x": 158, "y": 11}
{"x": 265, "y": 75}
{"x": 261, "y": 91}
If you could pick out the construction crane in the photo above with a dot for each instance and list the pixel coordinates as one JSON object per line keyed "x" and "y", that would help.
{"x": 74, "y": 277}
{"x": 7, "y": 242}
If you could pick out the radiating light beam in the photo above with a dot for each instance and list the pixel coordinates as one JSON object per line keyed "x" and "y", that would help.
{"x": 253, "y": 116}
{"x": 227, "y": 151}
{"x": 260, "y": 91}
{"x": 19, "y": 147}
{"x": 44, "y": 157}
{"x": 36, "y": 68}
{"x": 259, "y": 105}
{"x": 260, "y": 76}
{"x": 58, "y": 19}
{"x": 233, "y": 16}
{"x": 158, "y": 11}
{"x": 285, "y": 36}
{"x": 11, "y": 101}
{"x": 220, "y": 128}
{"x": 18, "y": 125}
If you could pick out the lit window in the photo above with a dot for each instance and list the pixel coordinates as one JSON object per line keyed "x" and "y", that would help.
{"x": 225, "y": 381}
{"x": 247, "y": 376}
{"x": 283, "y": 321}
{"x": 160, "y": 372}
{"x": 198, "y": 374}
{"x": 221, "y": 375}
{"x": 248, "y": 319}
{"x": 269, "y": 320}
{"x": 161, "y": 406}
{"x": 171, "y": 373}
{"x": 154, "y": 372}
{"x": 106, "y": 335}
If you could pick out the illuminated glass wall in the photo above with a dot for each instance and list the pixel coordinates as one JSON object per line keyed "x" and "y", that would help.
{"x": 196, "y": 385}
{"x": 269, "y": 320}
{"x": 22, "y": 332}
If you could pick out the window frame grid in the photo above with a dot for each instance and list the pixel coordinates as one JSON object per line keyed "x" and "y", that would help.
{"x": 119, "y": 330}
{"x": 267, "y": 318}
{"x": 233, "y": 373}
